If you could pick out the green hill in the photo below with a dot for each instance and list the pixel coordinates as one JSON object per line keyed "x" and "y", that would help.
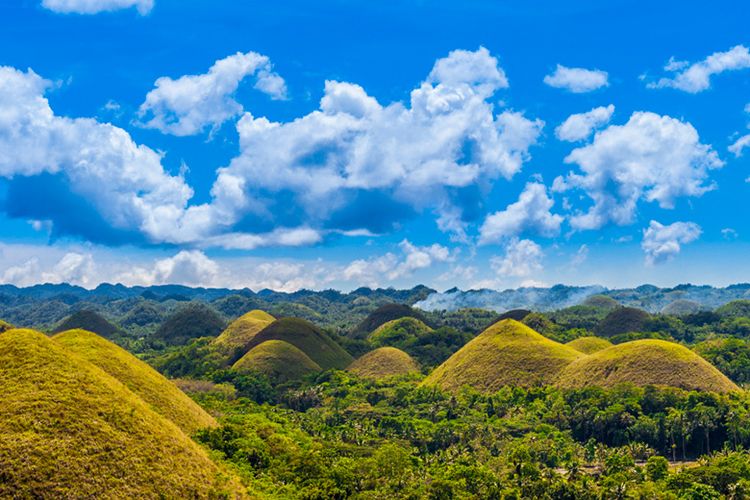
{"x": 589, "y": 345}
{"x": 398, "y": 331}
{"x": 306, "y": 337}
{"x": 5, "y": 326}
{"x": 507, "y": 353}
{"x": 240, "y": 332}
{"x": 601, "y": 302}
{"x": 383, "y": 363}
{"x": 190, "y": 322}
{"x": 163, "y": 396}
{"x": 646, "y": 362}
{"x": 70, "y": 430}
{"x": 142, "y": 314}
{"x": 88, "y": 320}
{"x": 735, "y": 309}
{"x": 279, "y": 360}
{"x": 382, "y": 315}
{"x": 622, "y": 320}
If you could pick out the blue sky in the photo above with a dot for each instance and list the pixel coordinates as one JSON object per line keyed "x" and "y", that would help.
{"x": 346, "y": 143}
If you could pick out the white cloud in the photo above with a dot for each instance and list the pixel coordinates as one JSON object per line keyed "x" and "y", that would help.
{"x": 577, "y": 80}
{"x": 662, "y": 243}
{"x": 729, "y": 234}
{"x": 25, "y": 274}
{"x": 188, "y": 267}
{"x": 579, "y": 126}
{"x": 191, "y": 103}
{"x": 738, "y": 146}
{"x": 522, "y": 259}
{"x": 97, "y": 6}
{"x": 530, "y": 213}
{"x": 651, "y": 157}
{"x": 694, "y": 78}
{"x": 73, "y": 267}
{"x": 580, "y": 256}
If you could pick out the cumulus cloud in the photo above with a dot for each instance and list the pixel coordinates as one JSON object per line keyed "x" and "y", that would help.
{"x": 662, "y": 243}
{"x": 530, "y": 213}
{"x": 74, "y": 268}
{"x": 694, "y": 78}
{"x": 522, "y": 259}
{"x": 738, "y": 146}
{"x": 651, "y": 157}
{"x": 191, "y": 103}
{"x": 188, "y": 267}
{"x": 577, "y": 80}
{"x": 579, "y": 126}
{"x": 97, "y": 6}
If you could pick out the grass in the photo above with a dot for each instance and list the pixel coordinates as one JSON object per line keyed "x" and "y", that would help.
{"x": 5, "y": 326}
{"x": 622, "y": 320}
{"x": 279, "y": 360}
{"x": 384, "y": 362}
{"x": 163, "y": 396}
{"x": 646, "y": 362}
{"x": 397, "y": 331}
{"x": 191, "y": 321}
{"x": 506, "y": 354}
{"x": 240, "y": 332}
{"x": 383, "y": 315}
{"x": 308, "y": 338}
{"x": 589, "y": 345}
{"x": 70, "y": 430}
{"x": 88, "y": 320}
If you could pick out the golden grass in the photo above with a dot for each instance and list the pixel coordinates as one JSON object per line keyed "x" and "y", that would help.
{"x": 70, "y": 430}
{"x": 163, "y": 396}
{"x": 383, "y": 363}
{"x": 589, "y": 345}
{"x": 397, "y": 330}
{"x": 507, "y": 353}
{"x": 646, "y": 362}
{"x": 279, "y": 360}
{"x": 240, "y": 332}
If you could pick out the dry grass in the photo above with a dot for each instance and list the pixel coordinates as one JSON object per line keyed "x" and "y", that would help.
{"x": 240, "y": 332}
{"x": 398, "y": 331}
{"x": 507, "y": 353}
{"x": 383, "y": 363}
{"x": 589, "y": 345}
{"x": 279, "y": 360}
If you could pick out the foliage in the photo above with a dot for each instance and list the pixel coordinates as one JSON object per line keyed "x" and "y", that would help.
{"x": 622, "y": 320}
{"x": 384, "y": 362}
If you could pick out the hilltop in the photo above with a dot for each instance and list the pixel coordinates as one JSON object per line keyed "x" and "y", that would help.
{"x": 384, "y": 314}
{"x": 70, "y": 430}
{"x": 646, "y": 362}
{"x": 163, "y": 396}
{"x": 88, "y": 320}
{"x": 240, "y": 332}
{"x": 589, "y": 345}
{"x": 279, "y": 360}
{"x": 398, "y": 331}
{"x": 189, "y": 322}
{"x": 507, "y": 353}
{"x": 384, "y": 362}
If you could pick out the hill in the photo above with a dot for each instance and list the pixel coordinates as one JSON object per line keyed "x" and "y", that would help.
{"x": 306, "y": 337}
{"x": 70, "y": 430}
{"x": 163, "y": 396}
{"x": 601, "y": 302}
{"x": 279, "y": 360}
{"x": 384, "y": 362}
{"x": 507, "y": 353}
{"x": 735, "y": 309}
{"x": 398, "y": 331}
{"x": 88, "y": 320}
{"x": 622, "y": 320}
{"x": 646, "y": 362}
{"x": 589, "y": 345}
{"x": 384, "y": 314}
{"x": 5, "y": 326}
{"x": 144, "y": 313}
{"x": 682, "y": 307}
{"x": 190, "y": 322}
{"x": 240, "y": 332}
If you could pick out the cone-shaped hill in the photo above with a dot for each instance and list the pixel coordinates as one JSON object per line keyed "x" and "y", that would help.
{"x": 306, "y": 337}
{"x": 279, "y": 360}
{"x": 646, "y": 362}
{"x": 189, "y": 322}
{"x": 163, "y": 396}
{"x": 398, "y": 331}
{"x": 70, "y": 430}
{"x": 384, "y": 362}
{"x": 240, "y": 332}
{"x": 506, "y": 353}
{"x": 382, "y": 315}
{"x": 88, "y": 320}
{"x": 589, "y": 345}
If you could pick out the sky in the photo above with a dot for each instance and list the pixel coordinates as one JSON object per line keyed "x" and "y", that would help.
{"x": 343, "y": 143}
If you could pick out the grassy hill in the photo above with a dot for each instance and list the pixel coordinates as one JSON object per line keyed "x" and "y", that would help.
{"x": 70, "y": 430}
{"x": 735, "y": 309}
{"x": 384, "y": 362}
{"x": 189, "y": 322}
{"x": 601, "y": 302}
{"x": 5, "y": 326}
{"x": 589, "y": 345}
{"x": 398, "y": 331}
{"x": 88, "y": 320}
{"x": 306, "y": 337}
{"x": 622, "y": 320}
{"x": 646, "y": 362}
{"x": 240, "y": 332}
{"x": 507, "y": 353}
{"x": 163, "y": 396}
{"x": 279, "y": 360}
{"x": 382, "y": 315}
{"x": 682, "y": 307}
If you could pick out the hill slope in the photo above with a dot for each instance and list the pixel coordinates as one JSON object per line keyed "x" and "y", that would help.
{"x": 589, "y": 345}
{"x": 507, "y": 353}
{"x": 384, "y": 362}
{"x": 384, "y": 314}
{"x": 279, "y": 360}
{"x": 88, "y": 320}
{"x": 70, "y": 430}
{"x": 163, "y": 396}
{"x": 5, "y": 326}
{"x": 646, "y": 362}
{"x": 398, "y": 331}
{"x": 241, "y": 331}
{"x": 306, "y": 337}
{"x": 190, "y": 322}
